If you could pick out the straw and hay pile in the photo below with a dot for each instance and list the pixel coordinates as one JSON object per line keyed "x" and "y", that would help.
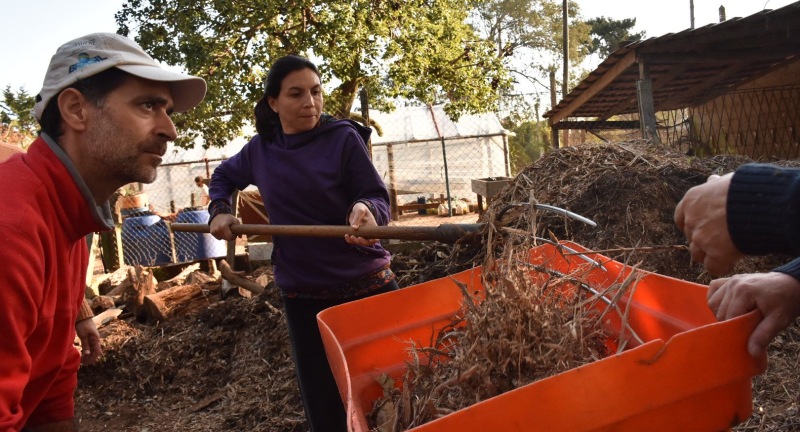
{"x": 524, "y": 327}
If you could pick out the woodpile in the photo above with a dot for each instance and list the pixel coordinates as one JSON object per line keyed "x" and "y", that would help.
{"x": 134, "y": 290}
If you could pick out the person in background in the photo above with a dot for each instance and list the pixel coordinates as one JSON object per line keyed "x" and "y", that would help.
{"x": 104, "y": 110}
{"x": 200, "y": 181}
{"x": 310, "y": 170}
{"x": 755, "y": 211}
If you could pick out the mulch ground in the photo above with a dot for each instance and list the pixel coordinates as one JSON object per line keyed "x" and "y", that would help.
{"x": 226, "y": 365}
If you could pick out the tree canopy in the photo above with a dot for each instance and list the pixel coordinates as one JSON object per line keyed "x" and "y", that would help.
{"x": 415, "y": 49}
{"x": 532, "y": 27}
{"x": 17, "y": 123}
{"x": 528, "y": 35}
{"x": 608, "y": 34}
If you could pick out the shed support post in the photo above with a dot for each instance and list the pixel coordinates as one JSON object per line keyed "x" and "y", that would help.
{"x": 647, "y": 114}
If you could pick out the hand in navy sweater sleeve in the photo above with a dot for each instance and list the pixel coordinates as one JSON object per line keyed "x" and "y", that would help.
{"x": 701, "y": 214}
{"x": 752, "y": 211}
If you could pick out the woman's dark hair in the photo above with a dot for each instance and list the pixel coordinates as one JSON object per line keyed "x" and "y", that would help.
{"x": 94, "y": 88}
{"x": 267, "y": 120}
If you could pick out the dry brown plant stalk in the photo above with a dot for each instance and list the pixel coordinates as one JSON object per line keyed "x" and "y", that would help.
{"x": 527, "y": 328}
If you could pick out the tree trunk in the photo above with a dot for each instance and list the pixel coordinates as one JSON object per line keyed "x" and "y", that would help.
{"x": 162, "y": 305}
{"x": 347, "y": 95}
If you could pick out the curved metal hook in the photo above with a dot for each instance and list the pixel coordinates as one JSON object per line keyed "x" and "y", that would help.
{"x": 550, "y": 208}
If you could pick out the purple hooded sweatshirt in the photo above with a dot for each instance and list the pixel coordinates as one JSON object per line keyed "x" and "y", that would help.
{"x": 311, "y": 178}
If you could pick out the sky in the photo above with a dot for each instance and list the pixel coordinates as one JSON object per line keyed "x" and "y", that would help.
{"x": 32, "y": 30}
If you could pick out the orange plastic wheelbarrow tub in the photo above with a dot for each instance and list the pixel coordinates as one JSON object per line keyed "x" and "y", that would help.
{"x": 691, "y": 373}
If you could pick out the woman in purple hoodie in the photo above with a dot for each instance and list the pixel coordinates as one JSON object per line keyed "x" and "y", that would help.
{"x": 310, "y": 170}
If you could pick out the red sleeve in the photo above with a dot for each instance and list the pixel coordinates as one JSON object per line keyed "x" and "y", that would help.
{"x": 21, "y": 284}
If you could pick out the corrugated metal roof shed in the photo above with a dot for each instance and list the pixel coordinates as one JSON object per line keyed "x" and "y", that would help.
{"x": 687, "y": 68}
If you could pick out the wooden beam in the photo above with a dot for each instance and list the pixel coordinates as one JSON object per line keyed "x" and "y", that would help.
{"x": 702, "y": 87}
{"x": 597, "y": 125}
{"x": 662, "y": 81}
{"x": 774, "y": 54}
{"x": 607, "y": 78}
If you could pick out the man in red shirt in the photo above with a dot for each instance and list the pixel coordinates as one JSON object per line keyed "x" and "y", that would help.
{"x": 104, "y": 109}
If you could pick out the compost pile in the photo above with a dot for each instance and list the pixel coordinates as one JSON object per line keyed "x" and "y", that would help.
{"x": 227, "y": 365}
{"x": 629, "y": 189}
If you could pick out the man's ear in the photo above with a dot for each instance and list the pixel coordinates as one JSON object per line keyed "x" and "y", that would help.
{"x": 73, "y": 106}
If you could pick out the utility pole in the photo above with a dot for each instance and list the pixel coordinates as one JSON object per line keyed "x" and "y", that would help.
{"x": 691, "y": 13}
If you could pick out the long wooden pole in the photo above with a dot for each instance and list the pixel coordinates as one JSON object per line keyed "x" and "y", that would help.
{"x": 445, "y": 233}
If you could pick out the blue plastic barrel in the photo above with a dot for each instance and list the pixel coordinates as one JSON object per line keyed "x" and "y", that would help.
{"x": 194, "y": 246}
{"x": 133, "y": 211}
{"x": 145, "y": 241}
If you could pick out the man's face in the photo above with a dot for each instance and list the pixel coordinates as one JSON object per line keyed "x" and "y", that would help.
{"x": 127, "y": 136}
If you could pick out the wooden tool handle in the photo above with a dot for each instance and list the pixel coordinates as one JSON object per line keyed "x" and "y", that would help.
{"x": 445, "y": 233}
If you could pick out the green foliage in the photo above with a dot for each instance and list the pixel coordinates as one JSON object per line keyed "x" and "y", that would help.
{"x": 607, "y": 34}
{"x": 532, "y": 25}
{"x": 530, "y": 141}
{"x": 528, "y": 35}
{"x": 415, "y": 49}
{"x": 16, "y": 116}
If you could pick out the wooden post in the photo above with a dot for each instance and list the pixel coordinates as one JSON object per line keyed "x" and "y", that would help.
{"x": 118, "y": 246}
{"x": 392, "y": 186}
{"x": 506, "y": 160}
{"x": 553, "y": 131}
{"x": 444, "y": 161}
{"x": 647, "y": 114}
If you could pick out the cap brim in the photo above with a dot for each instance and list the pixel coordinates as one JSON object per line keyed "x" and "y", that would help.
{"x": 187, "y": 90}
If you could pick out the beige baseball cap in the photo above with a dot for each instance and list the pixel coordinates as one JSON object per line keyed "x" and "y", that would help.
{"x": 91, "y": 54}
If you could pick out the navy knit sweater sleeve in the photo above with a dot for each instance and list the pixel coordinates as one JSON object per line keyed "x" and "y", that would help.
{"x": 764, "y": 212}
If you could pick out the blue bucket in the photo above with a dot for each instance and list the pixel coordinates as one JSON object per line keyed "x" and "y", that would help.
{"x": 194, "y": 246}
{"x": 145, "y": 241}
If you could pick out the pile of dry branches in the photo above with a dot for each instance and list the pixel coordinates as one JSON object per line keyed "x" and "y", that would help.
{"x": 529, "y": 323}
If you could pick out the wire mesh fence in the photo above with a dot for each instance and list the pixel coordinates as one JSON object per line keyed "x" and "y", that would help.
{"x": 761, "y": 123}
{"x": 144, "y": 212}
{"x": 436, "y": 170}
{"x": 429, "y": 162}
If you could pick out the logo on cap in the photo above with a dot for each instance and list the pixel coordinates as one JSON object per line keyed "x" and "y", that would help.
{"x": 85, "y": 60}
